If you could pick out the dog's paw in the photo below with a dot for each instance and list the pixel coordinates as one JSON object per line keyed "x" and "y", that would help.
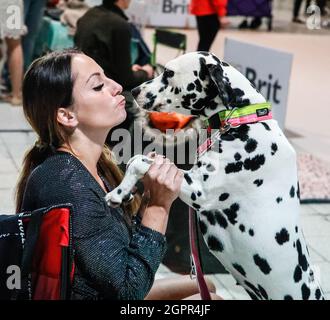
{"x": 113, "y": 200}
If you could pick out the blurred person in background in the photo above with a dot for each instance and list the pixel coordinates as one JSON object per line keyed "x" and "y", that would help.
{"x": 12, "y": 38}
{"x": 33, "y": 13}
{"x": 210, "y": 17}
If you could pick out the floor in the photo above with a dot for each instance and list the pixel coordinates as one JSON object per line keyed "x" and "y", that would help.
{"x": 306, "y": 126}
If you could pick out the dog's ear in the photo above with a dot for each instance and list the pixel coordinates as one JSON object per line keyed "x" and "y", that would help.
{"x": 216, "y": 76}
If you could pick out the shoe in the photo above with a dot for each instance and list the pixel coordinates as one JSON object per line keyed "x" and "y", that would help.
{"x": 14, "y": 101}
{"x": 243, "y": 24}
{"x": 255, "y": 23}
{"x": 297, "y": 20}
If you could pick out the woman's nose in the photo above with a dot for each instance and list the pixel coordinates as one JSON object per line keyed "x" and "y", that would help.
{"x": 116, "y": 88}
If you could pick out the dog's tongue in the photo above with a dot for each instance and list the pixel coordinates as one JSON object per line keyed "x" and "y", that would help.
{"x": 168, "y": 120}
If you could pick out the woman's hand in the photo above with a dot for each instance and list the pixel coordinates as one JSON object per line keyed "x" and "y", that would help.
{"x": 163, "y": 181}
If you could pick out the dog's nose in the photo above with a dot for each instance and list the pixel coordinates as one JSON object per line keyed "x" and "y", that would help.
{"x": 136, "y": 91}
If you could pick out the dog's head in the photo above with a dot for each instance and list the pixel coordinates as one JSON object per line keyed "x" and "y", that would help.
{"x": 197, "y": 84}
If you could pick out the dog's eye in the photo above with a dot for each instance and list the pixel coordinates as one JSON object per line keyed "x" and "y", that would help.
{"x": 98, "y": 88}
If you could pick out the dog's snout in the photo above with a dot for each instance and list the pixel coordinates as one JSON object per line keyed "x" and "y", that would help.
{"x": 136, "y": 91}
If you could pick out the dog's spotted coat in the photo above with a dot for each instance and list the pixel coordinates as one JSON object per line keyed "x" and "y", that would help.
{"x": 246, "y": 192}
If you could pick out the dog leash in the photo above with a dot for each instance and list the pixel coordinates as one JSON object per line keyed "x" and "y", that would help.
{"x": 196, "y": 268}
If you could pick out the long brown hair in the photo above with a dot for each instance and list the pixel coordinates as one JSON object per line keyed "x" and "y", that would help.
{"x": 47, "y": 86}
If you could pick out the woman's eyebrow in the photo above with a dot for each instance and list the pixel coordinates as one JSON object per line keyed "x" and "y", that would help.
{"x": 92, "y": 75}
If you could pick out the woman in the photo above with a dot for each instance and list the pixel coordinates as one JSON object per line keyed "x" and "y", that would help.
{"x": 210, "y": 17}
{"x": 72, "y": 105}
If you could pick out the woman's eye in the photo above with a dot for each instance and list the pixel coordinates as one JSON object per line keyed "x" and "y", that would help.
{"x": 99, "y": 88}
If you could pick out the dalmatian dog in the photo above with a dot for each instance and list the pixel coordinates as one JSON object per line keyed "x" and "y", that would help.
{"x": 245, "y": 191}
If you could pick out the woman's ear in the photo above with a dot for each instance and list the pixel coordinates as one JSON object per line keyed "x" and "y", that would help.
{"x": 67, "y": 118}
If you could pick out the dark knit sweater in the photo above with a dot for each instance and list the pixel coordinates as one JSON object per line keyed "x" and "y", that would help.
{"x": 113, "y": 260}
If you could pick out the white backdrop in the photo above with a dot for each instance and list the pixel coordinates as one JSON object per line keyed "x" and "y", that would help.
{"x": 268, "y": 69}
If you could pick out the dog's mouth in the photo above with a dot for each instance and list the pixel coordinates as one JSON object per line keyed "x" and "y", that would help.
{"x": 169, "y": 121}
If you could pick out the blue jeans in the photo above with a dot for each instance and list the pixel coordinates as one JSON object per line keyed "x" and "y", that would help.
{"x": 33, "y": 13}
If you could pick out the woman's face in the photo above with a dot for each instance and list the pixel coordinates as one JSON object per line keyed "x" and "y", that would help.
{"x": 97, "y": 100}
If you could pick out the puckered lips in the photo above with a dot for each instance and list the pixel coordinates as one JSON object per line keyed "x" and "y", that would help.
{"x": 168, "y": 120}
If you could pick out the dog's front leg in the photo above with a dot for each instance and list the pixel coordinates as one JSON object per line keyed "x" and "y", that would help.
{"x": 192, "y": 190}
{"x": 136, "y": 169}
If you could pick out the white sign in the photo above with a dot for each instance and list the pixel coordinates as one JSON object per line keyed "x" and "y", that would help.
{"x": 268, "y": 69}
{"x": 162, "y": 13}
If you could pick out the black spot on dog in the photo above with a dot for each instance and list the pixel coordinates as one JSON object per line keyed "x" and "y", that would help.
{"x": 242, "y": 228}
{"x": 237, "y": 156}
{"x": 193, "y": 196}
{"x": 196, "y": 206}
{"x": 223, "y": 196}
{"x": 209, "y": 216}
{"x": 240, "y": 269}
{"x": 151, "y": 97}
{"x": 255, "y": 163}
{"x": 198, "y": 85}
{"x": 195, "y": 73}
{"x": 199, "y": 164}
{"x": 210, "y": 167}
{"x": 190, "y": 87}
{"x": 233, "y": 167}
{"x": 161, "y": 89}
{"x": 282, "y": 236}
{"x": 317, "y": 294}
{"x": 203, "y": 69}
{"x": 231, "y": 213}
{"x": 214, "y": 244}
{"x": 199, "y": 193}
{"x": 274, "y": 148}
{"x": 187, "y": 178}
{"x": 221, "y": 220}
{"x": 176, "y": 91}
{"x": 258, "y": 182}
{"x": 251, "y": 232}
{"x": 167, "y": 74}
{"x": 263, "y": 292}
{"x": 305, "y": 291}
{"x": 297, "y": 275}
{"x": 288, "y": 297}
{"x": 266, "y": 126}
{"x": 119, "y": 191}
{"x": 292, "y": 192}
{"x": 250, "y": 145}
{"x": 146, "y": 160}
{"x": 279, "y": 199}
{"x": 205, "y": 177}
{"x": 301, "y": 257}
{"x": 202, "y": 227}
{"x": 254, "y": 289}
{"x": 169, "y": 101}
{"x": 252, "y": 295}
{"x": 262, "y": 264}
{"x": 225, "y": 64}
{"x": 296, "y": 229}
{"x": 298, "y": 190}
